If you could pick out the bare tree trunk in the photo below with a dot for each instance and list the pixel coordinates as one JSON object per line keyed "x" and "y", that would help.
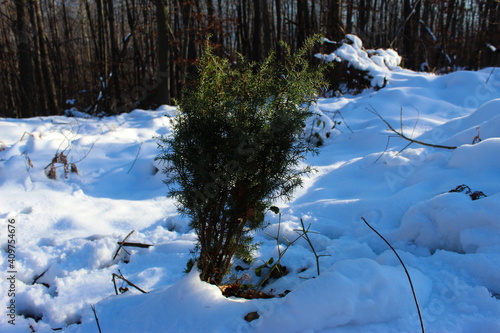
{"x": 257, "y": 31}
{"x": 303, "y": 21}
{"x": 9, "y": 76}
{"x": 114, "y": 95}
{"x": 163, "y": 72}
{"x": 362, "y": 18}
{"x": 189, "y": 51}
{"x": 408, "y": 33}
{"x": 25, "y": 64}
{"x": 267, "y": 28}
{"x": 331, "y": 19}
{"x": 243, "y": 34}
{"x": 46, "y": 66}
{"x": 279, "y": 30}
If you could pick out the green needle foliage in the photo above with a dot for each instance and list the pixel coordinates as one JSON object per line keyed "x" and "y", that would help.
{"x": 236, "y": 147}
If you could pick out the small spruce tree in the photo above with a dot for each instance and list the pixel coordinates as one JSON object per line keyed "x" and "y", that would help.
{"x": 237, "y": 146}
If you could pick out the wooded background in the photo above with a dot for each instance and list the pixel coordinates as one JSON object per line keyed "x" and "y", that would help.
{"x": 111, "y": 56}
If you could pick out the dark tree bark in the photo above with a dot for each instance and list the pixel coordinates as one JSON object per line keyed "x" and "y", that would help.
{"x": 51, "y": 100}
{"x": 279, "y": 31}
{"x": 331, "y": 20}
{"x": 25, "y": 64}
{"x": 303, "y": 21}
{"x": 257, "y": 53}
{"x": 163, "y": 72}
{"x": 114, "y": 95}
{"x": 267, "y": 28}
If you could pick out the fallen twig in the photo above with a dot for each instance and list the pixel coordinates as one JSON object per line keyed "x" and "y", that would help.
{"x": 141, "y": 245}
{"x": 401, "y": 134}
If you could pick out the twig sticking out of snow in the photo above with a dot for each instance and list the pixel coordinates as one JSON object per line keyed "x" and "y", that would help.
{"x": 96, "y": 319}
{"x": 277, "y": 265}
{"x": 490, "y": 75}
{"x": 304, "y": 233}
{"x": 135, "y": 160}
{"x": 127, "y": 281}
{"x": 121, "y": 244}
{"x": 406, "y": 271}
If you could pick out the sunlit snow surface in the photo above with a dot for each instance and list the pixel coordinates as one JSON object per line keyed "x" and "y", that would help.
{"x": 67, "y": 229}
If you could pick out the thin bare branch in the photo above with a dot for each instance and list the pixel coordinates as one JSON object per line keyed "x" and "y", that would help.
{"x": 402, "y": 135}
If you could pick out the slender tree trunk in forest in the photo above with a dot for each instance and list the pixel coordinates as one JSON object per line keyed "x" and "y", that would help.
{"x": 349, "y": 16}
{"x": 27, "y": 80}
{"x": 38, "y": 93}
{"x": 331, "y": 20}
{"x": 408, "y": 37}
{"x": 163, "y": 72}
{"x": 114, "y": 95}
{"x": 303, "y": 21}
{"x": 210, "y": 21}
{"x": 46, "y": 65}
{"x": 188, "y": 51}
{"x": 267, "y": 28}
{"x": 362, "y": 18}
{"x": 243, "y": 29}
{"x": 279, "y": 31}
{"x": 257, "y": 32}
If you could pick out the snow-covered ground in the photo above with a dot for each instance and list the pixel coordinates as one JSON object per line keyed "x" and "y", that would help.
{"x": 67, "y": 229}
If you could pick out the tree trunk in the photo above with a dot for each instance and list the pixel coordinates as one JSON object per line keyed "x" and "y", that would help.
{"x": 303, "y": 22}
{"x": 163, "y": 72}
{"x": 331, "y": 20}
{"x": 51, "y": 97}
{"x": 25, "y": 64}
{"x": 114, "y": 94}
{"x": 257, "y": 32}
{"x": 267, "y": 28}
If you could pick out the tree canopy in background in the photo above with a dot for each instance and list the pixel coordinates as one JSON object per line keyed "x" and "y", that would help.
{"x": 111, "y": 56}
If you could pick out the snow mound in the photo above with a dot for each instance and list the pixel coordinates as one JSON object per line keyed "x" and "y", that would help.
{"x": 169, "y": 307}
{"x": 453, "y": 222}
{"x": 477, "y": 157}
{"x": 483, "y": 123}
{"x": 356, "y": 291}
{"x": 378, "y": 63}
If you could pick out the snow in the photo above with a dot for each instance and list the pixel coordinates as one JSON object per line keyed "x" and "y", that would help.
{"x": 67, "y": 228}
{"x": 377, "y": 63}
